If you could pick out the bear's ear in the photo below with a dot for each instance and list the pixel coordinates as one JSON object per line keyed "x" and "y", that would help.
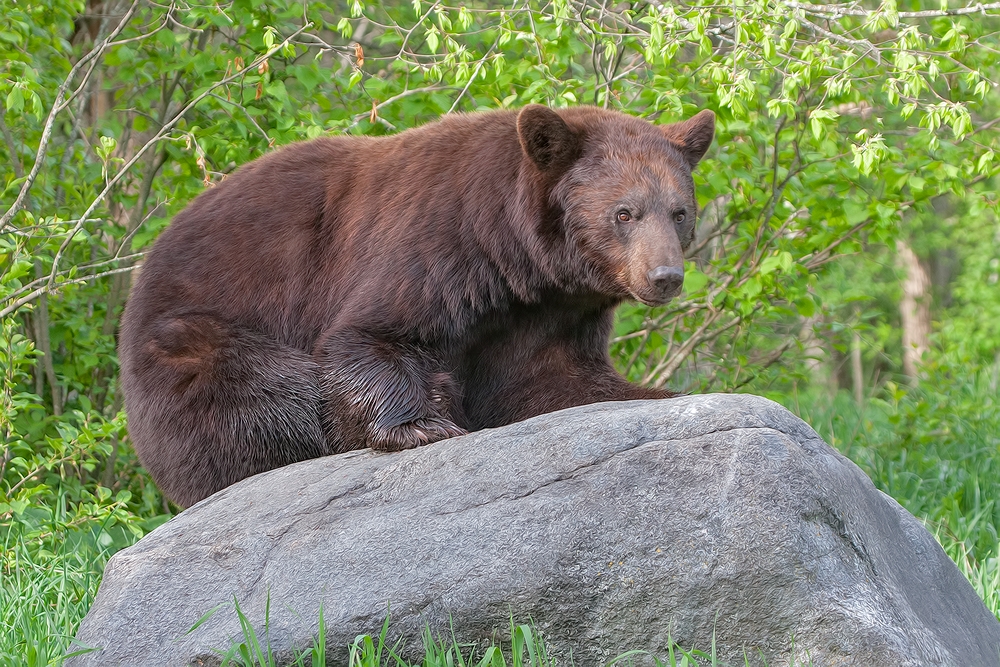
{"x": 545, "y": 137}
{"x": 693, "y": 136}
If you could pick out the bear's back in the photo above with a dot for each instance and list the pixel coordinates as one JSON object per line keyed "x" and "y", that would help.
{"x": 242, "y": 247}
{"x": 286, "y": 240}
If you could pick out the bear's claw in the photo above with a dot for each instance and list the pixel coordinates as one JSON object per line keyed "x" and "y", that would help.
{"x": 414, "y": 434}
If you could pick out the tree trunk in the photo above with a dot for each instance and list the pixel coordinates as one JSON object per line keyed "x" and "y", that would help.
{"x": 914, "y": 309}
{"x": 817, "y": 353}
{"x": 857, "y": 369}
{"x": 40, "y": 318}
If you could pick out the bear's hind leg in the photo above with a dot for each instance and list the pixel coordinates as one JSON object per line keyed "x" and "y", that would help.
{"x": 386, "y": 396}
{"x": 211, "y": 403}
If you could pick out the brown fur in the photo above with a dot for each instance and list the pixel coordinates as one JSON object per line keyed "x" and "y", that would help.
{"x": 350, "y": 292}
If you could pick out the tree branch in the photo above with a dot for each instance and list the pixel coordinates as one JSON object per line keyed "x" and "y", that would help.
{"x": 835, "y": 11}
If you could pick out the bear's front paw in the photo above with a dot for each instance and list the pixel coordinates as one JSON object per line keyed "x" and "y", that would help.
{"x": 414, "y": 434}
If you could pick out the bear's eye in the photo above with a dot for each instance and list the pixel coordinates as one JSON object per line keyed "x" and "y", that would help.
{"x": 624, "y": 215}
{"x": 679, "y": 217}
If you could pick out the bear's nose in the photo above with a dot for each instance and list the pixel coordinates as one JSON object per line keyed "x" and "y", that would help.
{"x": 667, "y": 280}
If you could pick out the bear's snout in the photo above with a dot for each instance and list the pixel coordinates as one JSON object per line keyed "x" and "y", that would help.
{"x": 666, "y": 281}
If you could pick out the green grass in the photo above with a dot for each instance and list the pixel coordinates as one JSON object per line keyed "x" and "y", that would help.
{"x": 43, "y": 598}
{"x": 525, "y": 649}
{"x": 51, "y": 563}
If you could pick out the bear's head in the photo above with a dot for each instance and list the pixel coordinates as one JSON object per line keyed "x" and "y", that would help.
{"x": 623, "y": 192}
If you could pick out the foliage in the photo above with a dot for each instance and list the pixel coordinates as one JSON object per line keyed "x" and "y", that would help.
{"x": 526, "y": 649}
{"x": 841, "y": 129}
{"x": 834, "y": 124}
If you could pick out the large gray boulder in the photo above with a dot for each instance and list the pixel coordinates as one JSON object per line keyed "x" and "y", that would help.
{"x": 612, "y": 527}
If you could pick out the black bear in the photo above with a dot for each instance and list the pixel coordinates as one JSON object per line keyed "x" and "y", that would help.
{"x": 354, "y": 292}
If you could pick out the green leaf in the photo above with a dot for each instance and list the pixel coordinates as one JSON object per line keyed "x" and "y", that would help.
{"x": 106, "y": 146}
{"x": 769, "y": 265}
{"x": 985, "y": 162}
{"x": 15, "y": 100}
{"x": 270, "y": 34}
{"x": 752, "y": 287}
{"x": 694, "y": 280}
{"x": 805, "y": 306}
{"x": 345, "y": 28}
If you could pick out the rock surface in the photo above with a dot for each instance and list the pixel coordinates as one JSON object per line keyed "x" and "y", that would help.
{"x": 612, "y": 527}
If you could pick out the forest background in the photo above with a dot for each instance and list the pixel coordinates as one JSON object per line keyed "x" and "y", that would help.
{"x": 846, "y": 261}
